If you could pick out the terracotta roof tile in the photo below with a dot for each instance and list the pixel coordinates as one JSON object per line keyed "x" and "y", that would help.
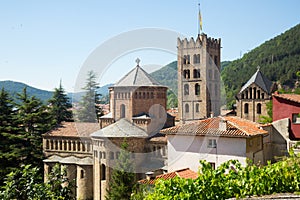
{"x": 235, "y": 127}
{"x": 182, "y": 173}
{"x": 290, "y": 97}
{"x": 74, "y": 129}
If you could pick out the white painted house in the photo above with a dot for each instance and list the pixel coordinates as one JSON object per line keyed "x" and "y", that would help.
{"x": 215, "y": 140}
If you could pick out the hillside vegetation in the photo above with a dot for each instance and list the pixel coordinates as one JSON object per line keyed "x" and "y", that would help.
{"x": 13, "y": 88}
{"x": 278, "y": 58}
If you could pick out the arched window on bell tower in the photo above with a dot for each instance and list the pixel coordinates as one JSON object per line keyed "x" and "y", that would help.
{"x": 187, "y": 108}
{"x": 186, "y": 89}
{"x": 246, "y": 108}
{"x": 197, "y": 89}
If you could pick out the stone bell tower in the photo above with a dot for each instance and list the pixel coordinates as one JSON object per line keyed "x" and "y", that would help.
{"x": 198, "y": 63}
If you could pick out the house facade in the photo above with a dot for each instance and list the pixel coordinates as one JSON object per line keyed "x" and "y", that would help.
{"x": 288, "y": 106}
{"x": 215, "y": 140}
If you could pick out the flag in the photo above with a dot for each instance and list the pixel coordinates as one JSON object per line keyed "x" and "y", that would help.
{"x": 200, "y": 19}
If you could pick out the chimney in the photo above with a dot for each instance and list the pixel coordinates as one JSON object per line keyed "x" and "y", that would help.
{"x": 211, "y": 114}
{"x": 149, "y": 175}
{"x": 223, "y": 124}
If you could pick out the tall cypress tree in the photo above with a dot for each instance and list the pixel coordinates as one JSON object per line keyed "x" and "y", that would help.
{"x": 123, "y": 179}
{"x": 89, "y": 110}
{"x": 60, "y": 106}
{"x": 32, "y": 117}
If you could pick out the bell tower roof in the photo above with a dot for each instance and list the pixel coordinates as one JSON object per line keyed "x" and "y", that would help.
{"x": 260, "y": 80}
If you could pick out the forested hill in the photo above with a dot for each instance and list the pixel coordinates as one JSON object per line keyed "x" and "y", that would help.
{"x": 278, "y": 58}
{"x": 167, "y": 76}
{"x": 16, "y": 87}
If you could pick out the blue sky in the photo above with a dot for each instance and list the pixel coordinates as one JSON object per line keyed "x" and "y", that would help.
{"x": 42, "y": 42}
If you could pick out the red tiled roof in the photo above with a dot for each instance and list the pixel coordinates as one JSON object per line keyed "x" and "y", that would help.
{"x": 182, "y": 173}
{"x": 290, "y": 97}
{"x": 74, "y": 129}
{"x": 235, "y": 127}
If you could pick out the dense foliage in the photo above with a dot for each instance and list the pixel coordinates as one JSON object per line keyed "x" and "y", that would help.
{"x": 232, "y": 180}
{"x": 123, "y": 178}
{"x": 21, "y": 127}
{"x": 26, "y": 183}
{"x": 22, "y": 123}
{"x": 89, "y": 109}
{"x": 278, "y": 58}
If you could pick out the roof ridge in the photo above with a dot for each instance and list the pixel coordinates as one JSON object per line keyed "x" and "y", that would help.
{"x": 136, "y": 73}
{"x": 237, "y": 127}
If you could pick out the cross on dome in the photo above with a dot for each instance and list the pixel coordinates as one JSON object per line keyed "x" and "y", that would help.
{"x": 138, "y": 61}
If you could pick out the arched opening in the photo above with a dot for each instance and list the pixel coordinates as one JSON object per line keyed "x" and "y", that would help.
{"x": 184, "y": 60}
{"x": 194, "y": 58}
{"x": 196, "y": 73}
{"x": 258, "y": 94}
{"x": 81, "y": 174}
{"x": 187, "y": 108}
{"x": 103, "y": 172}
{"x": 197, "y": 89}
{"x": 197, "y": 107}
{"x": 246, "y": 108}
{"x": 47, "y": 144}
{"x": 258, "y": 108}
{"x": 122, "y": 111}
{"x": 186, "y": 74}
{"x": 188, "y": 59}
{"x": 186, "y": 89}
{"x": 216, "y": 60}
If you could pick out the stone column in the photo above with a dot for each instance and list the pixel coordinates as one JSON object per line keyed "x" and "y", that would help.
{"x": 46, "y": 171}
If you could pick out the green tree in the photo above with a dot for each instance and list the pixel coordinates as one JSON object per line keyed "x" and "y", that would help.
{"x": 123, "y": 179}
{"x": 31, "y": 117}
{"x": 57, "y": 184}
{"x": 89, "y": 110}
{"x": 10, "y": 148}
{"x": 60, "y": 106}
{"x": 26, "y": 183}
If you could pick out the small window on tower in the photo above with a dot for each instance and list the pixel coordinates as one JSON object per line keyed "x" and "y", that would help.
{"x": 186, "y": 89}
{"x": 197, "y": 107}
{"x": 188, "y": 59}
{"x": 216, "y": 60}
{"x": 187, "y": 108}
{"x": 196, "y": 73}
{"x": 197, "y": 89}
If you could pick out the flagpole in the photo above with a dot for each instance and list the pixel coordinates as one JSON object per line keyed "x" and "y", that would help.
{"x": 199, "y": 20}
